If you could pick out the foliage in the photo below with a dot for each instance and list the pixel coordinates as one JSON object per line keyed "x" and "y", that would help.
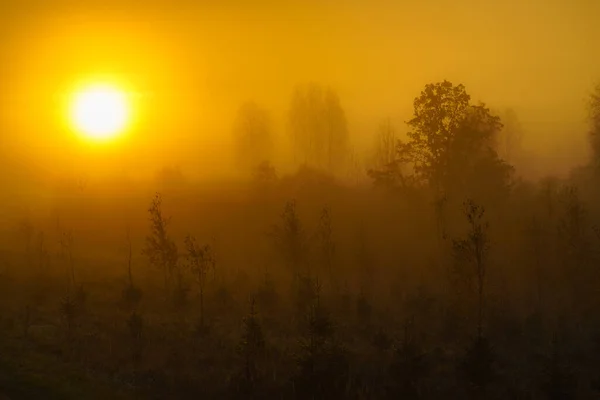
{"x": 451, "y": 144}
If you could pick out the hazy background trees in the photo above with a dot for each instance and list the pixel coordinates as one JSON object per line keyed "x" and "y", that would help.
{"x": 318, "y": 128}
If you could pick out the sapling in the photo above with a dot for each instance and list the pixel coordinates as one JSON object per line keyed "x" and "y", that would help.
{"x": 160, "y": 249}
{"x": 201, "y": 260}
{"x": 471, "y": 253}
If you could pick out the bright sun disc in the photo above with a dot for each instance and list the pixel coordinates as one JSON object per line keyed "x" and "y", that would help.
{"x": 100, "y": 112}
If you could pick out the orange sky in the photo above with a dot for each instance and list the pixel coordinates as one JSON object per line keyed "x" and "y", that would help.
{"x": 191, "y": 66}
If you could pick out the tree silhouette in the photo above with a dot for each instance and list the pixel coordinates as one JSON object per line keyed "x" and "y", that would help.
{"x": 160, "y": 249}
{"x": 471, "y": 253}
{"x": 318, "y": 127}
{"x": 201, "y": 259}
{"x": 451, "y": 144}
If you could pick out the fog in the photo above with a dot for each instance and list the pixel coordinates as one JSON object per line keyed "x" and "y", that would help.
{"x": 307, "y": 200}
{"x": 192, "y": 64}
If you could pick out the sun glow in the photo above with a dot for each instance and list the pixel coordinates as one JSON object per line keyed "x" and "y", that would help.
{"x": 100, "y": 112}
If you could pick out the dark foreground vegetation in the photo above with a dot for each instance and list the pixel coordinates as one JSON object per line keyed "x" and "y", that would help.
{"x": 445, "y": 276}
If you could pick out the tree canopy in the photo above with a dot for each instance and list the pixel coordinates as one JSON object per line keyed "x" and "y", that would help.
{"x": 450, "y": 145}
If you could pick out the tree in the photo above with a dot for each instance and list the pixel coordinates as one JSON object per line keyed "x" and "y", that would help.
{"x": 471, "y": 253}
{"x": 252, "y": 136}
{"x": 451, "y": 143}
{"x": 201, "y": 259}
{"x": 160, "y": 249}
{"x": 318, "y": 127}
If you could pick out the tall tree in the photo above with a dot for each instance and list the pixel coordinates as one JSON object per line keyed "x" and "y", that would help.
{"x": 451, "y": 144}
{"x": 318, "y": 127}
{"x": 252, "y": 136}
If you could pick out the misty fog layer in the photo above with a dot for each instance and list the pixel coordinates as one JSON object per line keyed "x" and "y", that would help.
{"x": 191, "y": 65}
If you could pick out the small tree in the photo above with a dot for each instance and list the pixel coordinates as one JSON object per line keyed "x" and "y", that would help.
{"x": 160, "y": 249}
{"x": 471, "y": 253}
{"x": 200, "y": 259}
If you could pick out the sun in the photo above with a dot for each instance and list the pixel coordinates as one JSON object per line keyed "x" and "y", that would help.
{"x": 100, "y": 111}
